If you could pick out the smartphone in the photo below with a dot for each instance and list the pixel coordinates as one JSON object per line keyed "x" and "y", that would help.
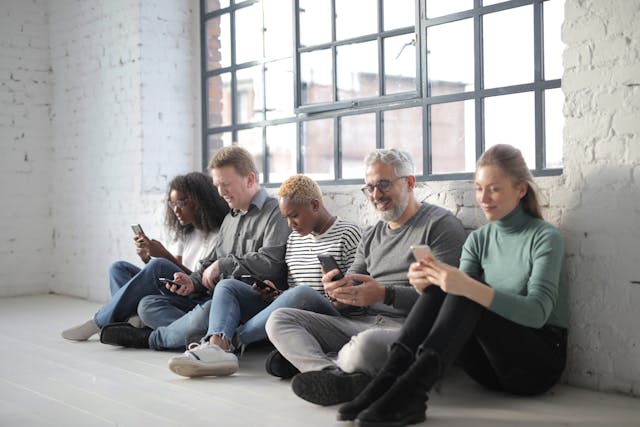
{"x": 250, "y": 280}
{"x": 173, "y": 282}
{"x": 329, "y": 263}
{"x": 137, "y": 229}
{"x": 421, "y": 252}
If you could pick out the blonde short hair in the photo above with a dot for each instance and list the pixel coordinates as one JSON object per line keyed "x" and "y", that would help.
{"x": 300, "y": 189}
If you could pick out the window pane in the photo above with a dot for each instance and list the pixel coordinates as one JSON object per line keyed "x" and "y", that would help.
{"x": 279, "y": 89}
{"x": 508, "y": 47}
{"x": 358, "y": 137}
{"x": 219, "y": 100}
{"x": 554, "y": 123}
{"x": 399, "y": 13}
{"x": 403, "y": 130}
{"x": 509, "y": 119}
{"x": 218, "y": 42}
{"x": 216, "y": 4}
{"x": 553, "y": 46}
{"x": 249, "y": 94}
{"x": 357, "y": 70}
{"x": 447, "y": 72}
{"x": 400, "y": 64}
{"x": 216, "y": 141}
{"x": 249, "y": 33}
{"x": 356, "y": 18}
{"x": 453, "y": 144}
{"x": 315, "y": 68}
{"x": 317, "y": 149}
{"x": 278, "y": 21}
{"x": 445, "y": 7}
{"x": 315, "y": 22}
{"x": 281, "y": 141}
{"x": 251, "y": 139}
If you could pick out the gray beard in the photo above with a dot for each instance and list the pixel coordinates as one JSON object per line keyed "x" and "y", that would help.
{"x": 398, "y": 210}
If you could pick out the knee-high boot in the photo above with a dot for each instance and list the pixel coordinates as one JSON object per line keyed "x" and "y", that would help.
{"x": 400, "y": 358}
{"x": 405, "y": 402}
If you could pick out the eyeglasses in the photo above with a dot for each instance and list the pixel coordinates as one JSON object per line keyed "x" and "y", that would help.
{"x": 383, "y": 186}
{"x": 180, "y": 203}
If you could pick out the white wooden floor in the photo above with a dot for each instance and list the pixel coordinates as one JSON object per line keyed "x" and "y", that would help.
{"x": 47, "y": 381}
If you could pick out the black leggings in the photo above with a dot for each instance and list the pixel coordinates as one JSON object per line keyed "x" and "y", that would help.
{"x": 494, "y": 351}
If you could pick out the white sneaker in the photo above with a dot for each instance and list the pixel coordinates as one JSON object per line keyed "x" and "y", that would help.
{"x": 203, "y": 360}
{"x": 81, "y": 332}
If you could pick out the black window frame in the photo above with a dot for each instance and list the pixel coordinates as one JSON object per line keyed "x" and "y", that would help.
{"x": 421, "y": 98}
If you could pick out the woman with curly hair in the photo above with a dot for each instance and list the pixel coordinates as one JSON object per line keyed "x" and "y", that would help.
{"x": 194, "y": 212}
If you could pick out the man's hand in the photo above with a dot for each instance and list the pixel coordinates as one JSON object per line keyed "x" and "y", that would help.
{"x": 268, "y": 294}
{"x": 186, "y": 285}
{"x": 368, "y": 292}
{"x": 211, "y": 276}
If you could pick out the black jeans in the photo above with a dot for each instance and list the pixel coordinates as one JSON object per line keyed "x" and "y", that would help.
{"x": 494, "y": 351}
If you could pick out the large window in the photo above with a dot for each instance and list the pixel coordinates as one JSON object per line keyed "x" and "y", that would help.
{"x": 311, "y": 86}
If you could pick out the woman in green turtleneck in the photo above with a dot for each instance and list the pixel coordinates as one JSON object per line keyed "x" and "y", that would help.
{"x": 501, "y": 316}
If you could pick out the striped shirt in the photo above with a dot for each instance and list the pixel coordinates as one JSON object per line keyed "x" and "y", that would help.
{"x": 340, "y": 240}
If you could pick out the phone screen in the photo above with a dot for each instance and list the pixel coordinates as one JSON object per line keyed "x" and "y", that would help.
{"x": 329, "y": 263}
{"x": 137, "y": 229}
{"x": 421, "y": 252}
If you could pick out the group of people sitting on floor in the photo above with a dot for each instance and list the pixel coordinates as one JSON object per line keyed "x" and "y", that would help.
{"x": 375, "y": 331}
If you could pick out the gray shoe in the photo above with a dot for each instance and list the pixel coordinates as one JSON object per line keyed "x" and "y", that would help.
{"x": 81, "y": 332}
{"x": 329, "y": 386}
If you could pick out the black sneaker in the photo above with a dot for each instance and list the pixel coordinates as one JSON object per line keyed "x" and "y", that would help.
{"x": 329, "y": 386}
{"x": 125, "y": 335}
{"x": 278, "y": 366}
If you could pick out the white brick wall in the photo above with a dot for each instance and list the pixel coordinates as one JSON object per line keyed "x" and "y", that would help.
{"x": 25, "y": 166}
{"x": 118, "y": 115}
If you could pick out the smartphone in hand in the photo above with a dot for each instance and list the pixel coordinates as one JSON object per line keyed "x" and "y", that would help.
{"x": 249, "y": 279}
{"x": 137, "y": 229}
{"x": 329, "y": 263}
{"x": 173, "y": 282}
{"x": 420, "y": 252}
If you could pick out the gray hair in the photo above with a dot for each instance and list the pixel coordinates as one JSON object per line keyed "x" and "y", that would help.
{"x": 400, "y": 160}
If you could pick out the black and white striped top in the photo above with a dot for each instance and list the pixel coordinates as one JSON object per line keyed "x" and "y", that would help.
{"x": 340, "y": 240}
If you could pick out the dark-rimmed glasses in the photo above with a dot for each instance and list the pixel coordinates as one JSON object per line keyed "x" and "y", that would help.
{"x": 180, "y": 203}
{"x": 383, "y": 186}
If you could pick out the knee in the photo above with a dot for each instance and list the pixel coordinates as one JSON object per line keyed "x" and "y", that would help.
{"x": 118, "y": 266}
{"x": 277, "y": 320}
{"x": 228, "y": 285}
{"x": 159, "y": 262}
{"x": 301, "y": 296}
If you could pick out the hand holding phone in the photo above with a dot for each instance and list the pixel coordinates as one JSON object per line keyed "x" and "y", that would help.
{"x": 137, "y": 229}
{"x": 249, "y": 279}
{"x": 329, "y": 263}
{"x": 421, "y": 252}
{"x": 173, "y": 282}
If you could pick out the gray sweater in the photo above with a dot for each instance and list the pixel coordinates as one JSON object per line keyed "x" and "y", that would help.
{"x": 384, "y": 253}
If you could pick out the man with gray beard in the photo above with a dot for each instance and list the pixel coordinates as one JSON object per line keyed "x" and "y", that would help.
{"x": 337, "y": 356}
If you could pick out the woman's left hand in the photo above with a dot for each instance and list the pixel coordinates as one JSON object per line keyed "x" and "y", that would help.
{"x": 269, "y": 294}
{"x": 450, "y": 279}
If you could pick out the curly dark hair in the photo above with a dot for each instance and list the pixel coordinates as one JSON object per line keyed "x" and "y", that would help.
{"x": 208, "y": 206}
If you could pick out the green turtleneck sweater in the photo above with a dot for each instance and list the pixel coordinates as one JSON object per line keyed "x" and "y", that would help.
{"x": 522, "y": 259}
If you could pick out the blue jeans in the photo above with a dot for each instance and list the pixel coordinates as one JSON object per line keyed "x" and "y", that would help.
{"x": 129, "y": 285}
{"x": 236, "y": 308}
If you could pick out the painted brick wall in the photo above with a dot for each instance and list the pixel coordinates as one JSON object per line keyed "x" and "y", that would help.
{"x": 123, "y": 126}
{"x": 25, "y": 167}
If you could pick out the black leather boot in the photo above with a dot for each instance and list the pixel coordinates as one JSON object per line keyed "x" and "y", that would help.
{"x": 400, "y": 357}
{"x": 406, "y": 401}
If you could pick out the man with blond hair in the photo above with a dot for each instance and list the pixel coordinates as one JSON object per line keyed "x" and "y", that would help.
{"x": 238, "y": 312}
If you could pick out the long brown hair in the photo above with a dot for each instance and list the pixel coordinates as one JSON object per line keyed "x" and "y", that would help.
{"x": 509, "y": 159}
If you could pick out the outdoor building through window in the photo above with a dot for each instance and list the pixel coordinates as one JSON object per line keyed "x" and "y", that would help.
{"x": 311, "y": 86}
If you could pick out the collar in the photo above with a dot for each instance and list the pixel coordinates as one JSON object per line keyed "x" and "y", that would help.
{"x": 258, "y": 201}
{"x": 514, "y": 220}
